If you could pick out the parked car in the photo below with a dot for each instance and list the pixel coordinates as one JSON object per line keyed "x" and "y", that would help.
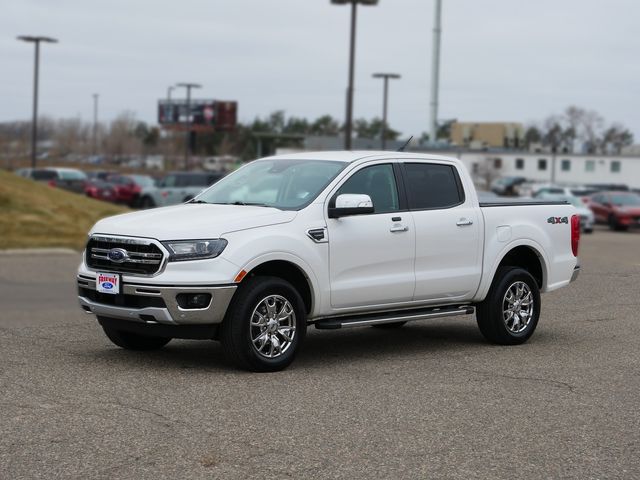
{"x": 330, "y": 239}
{"x": 129, "y": 187}
{"x": 610, "y": 187}
{"x": 177, "y": 187}
{"x": 70, "y": 179}
{"x": 100, "y": 174}
{"x": 619, "y": 210}
{"x": 100, "y": 190}
{"x": 507, "y": 185}
{"x": 587, "y": 219}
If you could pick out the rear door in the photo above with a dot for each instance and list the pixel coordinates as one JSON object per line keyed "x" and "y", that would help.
{"x": 448, "y": 263}
{"x": 371, "y": 255}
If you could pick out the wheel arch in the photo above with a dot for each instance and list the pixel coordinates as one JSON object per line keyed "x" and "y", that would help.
{"x": 524, "y": 255}
{"x": 288, "y": 270}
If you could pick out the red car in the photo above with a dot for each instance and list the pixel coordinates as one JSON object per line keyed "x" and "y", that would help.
{"x": 100, "y": 190}
{"x": 128, "y": 187}
{"x": 620, "y": 210}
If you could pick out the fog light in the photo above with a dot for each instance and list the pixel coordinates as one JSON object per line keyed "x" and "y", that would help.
{"x": 188, "y": 301}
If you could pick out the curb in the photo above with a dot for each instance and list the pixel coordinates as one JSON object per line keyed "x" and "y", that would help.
{"x": 37, "y": 251}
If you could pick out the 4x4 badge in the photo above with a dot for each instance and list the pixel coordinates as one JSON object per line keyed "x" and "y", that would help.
{"x": 556, "y": 220}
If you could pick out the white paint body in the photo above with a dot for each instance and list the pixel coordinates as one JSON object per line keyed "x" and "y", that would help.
{"x": 361, "y": 266}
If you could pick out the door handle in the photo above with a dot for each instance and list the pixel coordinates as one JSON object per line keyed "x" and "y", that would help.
{"x": 464, "y": 222}
{"x": 399, "y": 228}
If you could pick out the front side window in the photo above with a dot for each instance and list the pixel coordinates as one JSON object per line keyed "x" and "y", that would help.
{"x": 377, "y": 181}
{"x": 431, "y": 185}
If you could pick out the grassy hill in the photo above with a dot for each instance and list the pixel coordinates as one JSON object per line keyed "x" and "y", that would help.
{"x": 36, "y": 215}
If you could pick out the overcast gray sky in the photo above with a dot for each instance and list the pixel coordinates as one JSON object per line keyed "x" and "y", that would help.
{"x": 501, "y": 59}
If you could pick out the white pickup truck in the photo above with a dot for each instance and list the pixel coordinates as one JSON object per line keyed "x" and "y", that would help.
{"x": 331, "y": 239}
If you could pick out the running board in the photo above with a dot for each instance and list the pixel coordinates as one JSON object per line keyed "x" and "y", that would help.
{"x": 392, "y": 317}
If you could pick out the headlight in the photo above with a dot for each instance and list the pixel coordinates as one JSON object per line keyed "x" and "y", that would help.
{"x": 182, "y": 250}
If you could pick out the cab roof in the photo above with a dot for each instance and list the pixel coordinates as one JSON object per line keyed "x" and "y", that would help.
{"x": 352, "y": 156}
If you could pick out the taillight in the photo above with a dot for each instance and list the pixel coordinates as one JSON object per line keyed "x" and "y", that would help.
{"x": 575, "y": 234}
{"x": 51, "y": 183}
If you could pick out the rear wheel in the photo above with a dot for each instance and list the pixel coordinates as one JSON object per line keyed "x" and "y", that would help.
{"x": 614, "y": 225}
{"x": 265, "y": 326}
{"x": 134, "y": 341}
{"x": 510, "y": 312}
{"x": 147, "y": 202}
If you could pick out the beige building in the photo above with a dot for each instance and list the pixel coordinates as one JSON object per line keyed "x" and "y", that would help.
{"x": 487, "y": 134}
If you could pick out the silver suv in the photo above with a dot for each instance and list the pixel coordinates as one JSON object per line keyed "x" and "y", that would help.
{"x": 177, "y": 187}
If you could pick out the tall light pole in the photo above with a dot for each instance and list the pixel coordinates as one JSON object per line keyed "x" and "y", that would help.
{"x": 348, "y": 124}
{"x": 34, "y": 122}
{"x": 187, "y": 121}
{"x": 435, "y": 68}
{"x": 385, "y": 97}
{"x": 95, "y": 124}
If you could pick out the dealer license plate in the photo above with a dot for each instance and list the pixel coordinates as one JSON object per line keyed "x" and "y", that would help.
{"x": 108, "y": 283}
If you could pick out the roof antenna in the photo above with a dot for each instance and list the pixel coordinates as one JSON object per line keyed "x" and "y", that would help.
{"x": 401, "y": 149}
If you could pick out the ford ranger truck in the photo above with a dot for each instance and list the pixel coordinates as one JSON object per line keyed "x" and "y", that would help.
{"x": 330, "y": 239}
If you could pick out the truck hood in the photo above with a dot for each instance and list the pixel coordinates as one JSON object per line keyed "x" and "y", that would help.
{"x": 191, "y": 221}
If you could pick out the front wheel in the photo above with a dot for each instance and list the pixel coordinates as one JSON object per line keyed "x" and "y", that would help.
{"x": 510, "y": 312}
{"x": 265, "y": 326}
{"x": 134, "y": 341}
{"x": 147, "y": 202}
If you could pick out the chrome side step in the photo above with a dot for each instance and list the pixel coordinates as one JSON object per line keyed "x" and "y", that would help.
{"x": 391, "y": 317}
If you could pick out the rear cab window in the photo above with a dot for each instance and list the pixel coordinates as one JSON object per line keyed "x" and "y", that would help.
{"x": 432, "y": 186}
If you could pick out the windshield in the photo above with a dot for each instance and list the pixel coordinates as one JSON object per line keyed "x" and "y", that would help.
{"x": 72, "y": 175}
{"x": 625, "y": 199}
{"x": 283, "y": 184}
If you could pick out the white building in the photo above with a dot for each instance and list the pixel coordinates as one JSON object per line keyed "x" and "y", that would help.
{"x": 576, "y": 169}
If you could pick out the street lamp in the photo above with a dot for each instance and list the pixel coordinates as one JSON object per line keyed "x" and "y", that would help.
{"x": 34, "y": 122}
{"x": 385, "y": 95}
{"x": 95, "y": 124}
{"x": 187, "y": 121}
{"x": 352, "y": 51}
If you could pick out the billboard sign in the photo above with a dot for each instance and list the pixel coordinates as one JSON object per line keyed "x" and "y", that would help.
{"x": 205, "y": 115}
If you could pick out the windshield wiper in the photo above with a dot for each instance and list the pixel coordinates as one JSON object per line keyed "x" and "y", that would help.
{"x": 238, "y": 202}
{"x": 196, "y": 201}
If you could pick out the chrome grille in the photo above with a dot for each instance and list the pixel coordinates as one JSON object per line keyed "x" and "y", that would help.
{"x": 141, "y": 256}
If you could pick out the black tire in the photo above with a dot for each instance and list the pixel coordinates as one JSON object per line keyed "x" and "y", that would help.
{"x": 490, "y": 313}
{"x": 614, "y": 225}
{"x": 237, "y": 331}
{"x": 389, "y": 326}
{"x": 134, "y": 341}
{"x": 147, "y": 202}
{"x": 588, "y": 230}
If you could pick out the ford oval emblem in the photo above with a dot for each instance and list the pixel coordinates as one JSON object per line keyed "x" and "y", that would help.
{"x": 118, "y": 255}
{"x": 107, "y": 285}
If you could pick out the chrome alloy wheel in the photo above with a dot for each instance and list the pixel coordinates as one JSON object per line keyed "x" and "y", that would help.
{"x": 273, "y": 326}
{"x": 517, "y": 307}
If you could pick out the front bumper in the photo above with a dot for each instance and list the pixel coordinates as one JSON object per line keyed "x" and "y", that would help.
{"x": 154, "y": 304}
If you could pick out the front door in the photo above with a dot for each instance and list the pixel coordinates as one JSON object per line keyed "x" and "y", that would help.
{"x": 371, "y": 256}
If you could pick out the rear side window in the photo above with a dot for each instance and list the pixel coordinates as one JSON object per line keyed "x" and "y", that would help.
{"x": 44, "y": 174}
{"x": 431, "y": 185}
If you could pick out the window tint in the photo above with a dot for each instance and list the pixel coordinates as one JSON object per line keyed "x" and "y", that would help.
{"x": 379, "y": 183}
{"x": 431, "y": 186}
{"x": 44, "y": 174}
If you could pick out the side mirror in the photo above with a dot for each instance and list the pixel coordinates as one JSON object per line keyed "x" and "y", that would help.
{"x": 351, "y": 204}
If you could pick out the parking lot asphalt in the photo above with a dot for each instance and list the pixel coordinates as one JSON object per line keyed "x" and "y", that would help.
{"x": 430, "y": 400}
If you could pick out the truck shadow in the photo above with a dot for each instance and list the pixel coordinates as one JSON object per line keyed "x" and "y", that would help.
{"x": 321, "y": 348}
